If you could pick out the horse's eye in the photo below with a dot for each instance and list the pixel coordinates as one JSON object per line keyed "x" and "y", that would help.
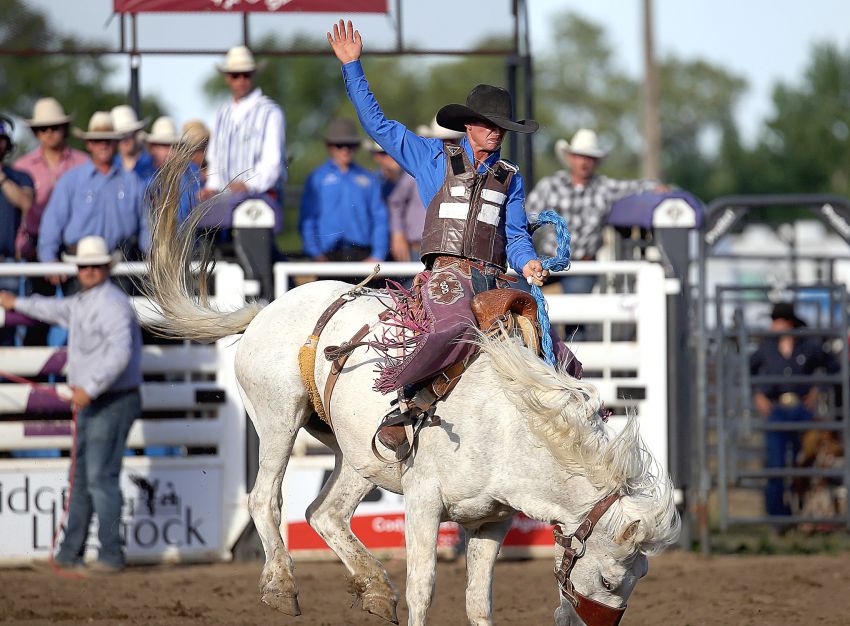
{"x": 607, "y": 583}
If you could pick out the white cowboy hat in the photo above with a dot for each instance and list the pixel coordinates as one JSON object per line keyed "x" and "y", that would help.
{"x": 91, "y": 250}
{"x": 100, "y": 127}
{"x": 437, "y": 132}
{"x": 585, "y": 142}
{"x": 163, "y": 132}
{"x": 126, "y": 121}
{"x": 238, "y": 59}
{"x": 47, "y": 112}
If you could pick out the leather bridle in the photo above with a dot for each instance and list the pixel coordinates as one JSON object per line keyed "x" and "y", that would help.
{"x": 593, "y": 613}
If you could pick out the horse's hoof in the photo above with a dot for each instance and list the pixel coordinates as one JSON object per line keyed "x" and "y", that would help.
{"x": 285, "y": 604}
{"x": 381, "y": 606}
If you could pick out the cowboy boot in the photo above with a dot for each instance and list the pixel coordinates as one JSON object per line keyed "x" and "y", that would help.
{"x": 391, "y": 433}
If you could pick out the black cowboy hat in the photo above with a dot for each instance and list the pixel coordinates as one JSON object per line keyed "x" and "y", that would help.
{"x": 487, "y": 103}
{"x": 785, "y": 311}
{"x": 343, "y": 131}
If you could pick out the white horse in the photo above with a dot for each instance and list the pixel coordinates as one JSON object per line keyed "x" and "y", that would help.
{"x": 515, "y": 435}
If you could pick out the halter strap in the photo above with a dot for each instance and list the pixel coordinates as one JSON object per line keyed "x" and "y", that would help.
{"x": 592, "y": 612}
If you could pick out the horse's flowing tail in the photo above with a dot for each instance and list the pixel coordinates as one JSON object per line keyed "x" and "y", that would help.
{"x": 179, "y": 294}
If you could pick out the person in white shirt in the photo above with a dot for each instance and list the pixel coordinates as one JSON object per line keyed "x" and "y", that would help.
{"x": 246, "y": 153}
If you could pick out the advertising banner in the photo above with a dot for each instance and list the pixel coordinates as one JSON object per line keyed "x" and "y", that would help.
{"x": 168, "y": 511}
{"x": 379, "y": 520}
{"x": 250, "y": 6}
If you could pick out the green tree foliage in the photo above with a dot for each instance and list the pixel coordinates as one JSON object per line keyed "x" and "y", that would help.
{"x": 79, "y": 82}
{"x": 804, "y": 147}
{"x": 697, "y": 126}
{"x": 578, "y": 85}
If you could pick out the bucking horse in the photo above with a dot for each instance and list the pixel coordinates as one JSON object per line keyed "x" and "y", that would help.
{"x": 514, "y": 435}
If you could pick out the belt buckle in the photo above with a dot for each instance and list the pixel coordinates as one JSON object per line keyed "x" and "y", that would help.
{"x": 789, "y": 400}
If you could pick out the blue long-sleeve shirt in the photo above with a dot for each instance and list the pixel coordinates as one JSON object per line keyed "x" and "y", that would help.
{"x": 425, "y": 160}
{"x": 104, "y": 339}
{"x": 87, "y": 202}
{"x": 339, "y": 208}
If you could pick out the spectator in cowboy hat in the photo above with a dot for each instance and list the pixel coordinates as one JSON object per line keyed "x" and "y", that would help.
{"x": 343, "y": 217}
{"x": 45, "y": 165}
{"x": 96, "y": 198}
{"x": 786, "y": 355}
{"x": 16, "y": 196}
{"x": 583, "y": 198}
{"x": 160, "y": 143}
{"x": 246, "y": 153}
{"x": 104, "y": 372}
{"x": 132, "y": 156}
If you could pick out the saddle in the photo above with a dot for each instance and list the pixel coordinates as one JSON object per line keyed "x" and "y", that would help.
{"x": 497, "y": 311}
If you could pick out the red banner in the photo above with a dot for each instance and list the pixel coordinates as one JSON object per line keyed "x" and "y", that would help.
{"x": 250, "y": 6}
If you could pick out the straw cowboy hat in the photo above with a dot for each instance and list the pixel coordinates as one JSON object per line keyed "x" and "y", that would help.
{"x": 100, "y": 127}
{"x": 195, "y": 133}
{"x": 436, "y": 131}
{"x": 47, "y": 112}
{"x": 484, "y": 103}
{"x": 343, "y": 131}
{"x": 91, "y": 250}
{"x": 125, "y": 120}
{"x": 163, "y": 132}
{"x": 238, "y": 59}
{"x": 585, "y": 142}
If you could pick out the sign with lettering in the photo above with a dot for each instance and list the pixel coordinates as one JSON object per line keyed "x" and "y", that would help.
{"x": 250, "y": 6}
{"x": 167, "y": 510}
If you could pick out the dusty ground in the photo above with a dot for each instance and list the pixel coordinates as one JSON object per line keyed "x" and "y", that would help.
{"x": 680, "y": 589}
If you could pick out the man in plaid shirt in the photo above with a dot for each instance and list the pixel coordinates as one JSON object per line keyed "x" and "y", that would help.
{"x": 583, "y": 198}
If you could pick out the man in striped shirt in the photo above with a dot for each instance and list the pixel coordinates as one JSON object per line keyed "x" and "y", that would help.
{"x": 246, "y": 153}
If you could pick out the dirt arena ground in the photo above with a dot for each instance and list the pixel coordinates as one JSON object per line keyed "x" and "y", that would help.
{"x": 680, "y": 589}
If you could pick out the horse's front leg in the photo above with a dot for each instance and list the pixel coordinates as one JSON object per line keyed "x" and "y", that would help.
{"x": 423, "y": 508}
{"x": 482, "y": 548}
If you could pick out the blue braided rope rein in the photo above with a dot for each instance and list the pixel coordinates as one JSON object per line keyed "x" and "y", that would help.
{"x": 557, "y": 263}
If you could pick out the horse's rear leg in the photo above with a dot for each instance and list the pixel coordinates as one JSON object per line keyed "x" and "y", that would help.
{"x": 277, "y": 430}
{"x": 330, "y": 516}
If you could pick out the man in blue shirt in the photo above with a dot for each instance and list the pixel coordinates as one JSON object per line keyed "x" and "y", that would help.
{"x": 475, "y": 226}
{"x": 96, "y": 198}
{"x": 343, "y": 217}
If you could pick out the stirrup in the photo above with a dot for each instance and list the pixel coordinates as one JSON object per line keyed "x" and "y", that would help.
{"x": 398, "y": 432}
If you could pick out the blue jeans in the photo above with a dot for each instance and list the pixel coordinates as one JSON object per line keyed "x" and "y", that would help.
{"x": 782, "y": 449}
{"x": 13, "y": 284}
{"x": 102, "y": 429}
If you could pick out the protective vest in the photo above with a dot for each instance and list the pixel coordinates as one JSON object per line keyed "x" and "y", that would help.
{"x": 466, "y": 217}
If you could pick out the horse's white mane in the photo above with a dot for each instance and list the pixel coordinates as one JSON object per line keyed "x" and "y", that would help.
{"x": 562, "y": 412}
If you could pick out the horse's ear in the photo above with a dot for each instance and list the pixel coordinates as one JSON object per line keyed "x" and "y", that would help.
{"x": 628, "y": 532}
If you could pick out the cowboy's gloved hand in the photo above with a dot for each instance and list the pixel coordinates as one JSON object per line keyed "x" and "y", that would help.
{"x": 345, "y": 42}
{"x": 534, "y": 273}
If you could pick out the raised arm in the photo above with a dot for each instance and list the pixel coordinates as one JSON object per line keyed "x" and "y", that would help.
{"x": 345, "y": 42}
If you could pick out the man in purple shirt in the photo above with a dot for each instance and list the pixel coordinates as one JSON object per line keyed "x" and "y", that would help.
{"x": 475, "y": 225}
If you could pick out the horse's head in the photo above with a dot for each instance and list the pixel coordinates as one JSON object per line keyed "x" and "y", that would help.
{"x": 604, "y": 556}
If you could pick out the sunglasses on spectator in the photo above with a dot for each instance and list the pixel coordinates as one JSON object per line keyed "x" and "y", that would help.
{"x": 345, "y": 146}
{"x": 54, "y": 127}
{"x": 235, "y": 75}
{"x": 88, "y": 267}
